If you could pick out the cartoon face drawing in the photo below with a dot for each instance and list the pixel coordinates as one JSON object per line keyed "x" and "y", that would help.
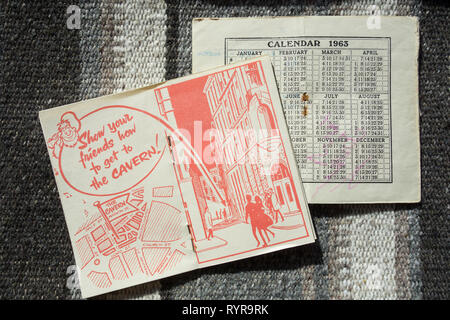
{"x": 69, "y": 134}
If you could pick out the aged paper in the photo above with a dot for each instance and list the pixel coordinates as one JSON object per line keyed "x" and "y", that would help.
{"x": 349, "y": 87}
{"x": 186, "y": 174}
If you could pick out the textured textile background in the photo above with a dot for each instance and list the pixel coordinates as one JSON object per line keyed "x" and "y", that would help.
{"x": 363, "y": 251}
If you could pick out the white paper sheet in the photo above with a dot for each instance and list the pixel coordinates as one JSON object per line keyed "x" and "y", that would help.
{"x": 349, "y": 87}
{"x": 186, "y": 174}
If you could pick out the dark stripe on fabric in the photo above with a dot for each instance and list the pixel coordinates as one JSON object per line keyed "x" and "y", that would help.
{"x": 172, "y": 43}
{"x": 434, "y": 129}
{"x": 40, "y": 68}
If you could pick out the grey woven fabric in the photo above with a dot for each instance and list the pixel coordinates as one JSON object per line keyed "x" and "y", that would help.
{"x": 363, "y": 251}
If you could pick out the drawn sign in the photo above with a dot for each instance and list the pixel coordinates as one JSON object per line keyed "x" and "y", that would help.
{"x": 116, "y": 148}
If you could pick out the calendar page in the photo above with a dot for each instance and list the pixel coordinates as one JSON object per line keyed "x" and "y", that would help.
{"x": 349, "y": 88}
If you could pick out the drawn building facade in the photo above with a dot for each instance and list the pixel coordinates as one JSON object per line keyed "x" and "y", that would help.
{"x": 191, "y": 180}
{"x": 239, "y": 104}
{"x": 245, "y": 132}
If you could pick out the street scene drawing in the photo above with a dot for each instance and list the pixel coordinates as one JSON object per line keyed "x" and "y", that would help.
{"x": 242, "y": 182}
{"x": 191, "y": 174}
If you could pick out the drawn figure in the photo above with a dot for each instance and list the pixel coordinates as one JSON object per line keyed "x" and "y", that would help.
{"x": 258, "y": 219}
{"x": 235, "y": 107}
{"x": 250, "y": 212}
{"x": 263, "y": 221}
{"x": 209, "y": 224}
{"x": 67, "y": 135}
{"x": 273, "y": 205}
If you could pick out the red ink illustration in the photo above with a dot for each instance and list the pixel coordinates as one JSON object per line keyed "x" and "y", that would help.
{"x": 163, "y": 192}
{"x": 235, "y": 163}
{"x": 67, "y": 135}
{"x": 225, "y": 173}
{"x": 109, "y": 158}
{"x": 162, "y": 223}
{"x": 173, "y": 261}
{"x": 111, "y": 235}
{"x": 117, "y": 268}
{"x": 132, "y": 261}
{"x": 122, "y": 219}
{"x": 84, "y": 251}
{"x": 100, "y": 279}
{"x": 98, "y": 233}
{"x": 155, "y": 258}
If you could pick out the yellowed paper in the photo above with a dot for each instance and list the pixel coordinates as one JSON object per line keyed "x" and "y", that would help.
{"x": 349, "y": 87}
{"x": 189, "y": 173}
